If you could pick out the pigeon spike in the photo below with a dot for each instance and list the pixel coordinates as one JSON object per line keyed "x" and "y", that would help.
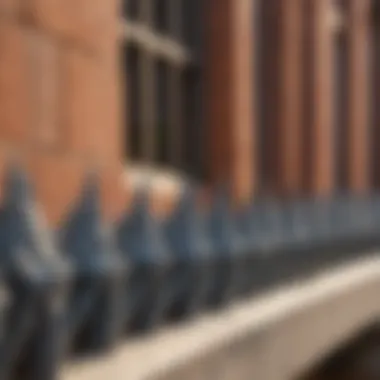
{"x": 91, "y": 193}
{"x": 86, "y": 213}
{"x": 222, "y": 200}
{"x": 224, "y": 189}
{"x": 16, "y": 186}
{"x": 138, "y": 217}
{"x": 187, "y": 199}
{"x": 184, "y": 213}
{"x": 141, "y": 200}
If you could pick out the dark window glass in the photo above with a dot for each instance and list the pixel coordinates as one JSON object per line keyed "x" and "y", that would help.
{"x": 340, "y": 110}
{"x": 130, "y": 9}
{"x": 193, "y": 137}
{"x": 175, "y": 128}
{"x": 161, "y": 15}
{"x": 131, "y": 64}
{"x": 162, "y": 112}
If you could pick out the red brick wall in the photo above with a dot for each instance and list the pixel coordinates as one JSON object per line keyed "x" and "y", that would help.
{"x": 61, "y": 96}
{"x": 229, "y": 94}
{"x": 320, "y": 175}
{"x": 319, "y": 146}
{"x": 358, "y": 29}
{"x": 283, "y": 71}
{"x": 60, "y": 93}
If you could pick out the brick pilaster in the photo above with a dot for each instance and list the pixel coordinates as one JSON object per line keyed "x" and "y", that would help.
{"x": 358, "y": 25}
{"x": 60, "y": 95}
{"x": 229, "y": 94}
{"x": 283, "y": 69}
{"x": 319, "y": 147}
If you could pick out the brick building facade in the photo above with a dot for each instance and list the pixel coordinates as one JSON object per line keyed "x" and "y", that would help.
{"x": 268, "y": 85}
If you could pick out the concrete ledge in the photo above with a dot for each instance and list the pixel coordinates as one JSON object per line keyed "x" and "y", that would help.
{"x": 272, "y": 337}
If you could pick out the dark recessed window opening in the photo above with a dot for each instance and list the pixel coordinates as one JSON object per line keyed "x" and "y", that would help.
{"x": 340, "y": 110}
{"x": 162, "y": 52}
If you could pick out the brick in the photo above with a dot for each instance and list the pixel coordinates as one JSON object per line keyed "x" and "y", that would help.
{"x": 90, "y": 102}
{"x": 5, "y": 158}
{"x": 111, "y": 116}
{"x": 359, "y": 22}
{"x": 282, "y": 65}
{"x": 85, "y": 21}
{"x": 9, "y": 7}
{"x": 80, "y": 101}
{"x": 229, "y": 92}
{"x": 45, "y": 90}
{"x": 319, "y": 147}
{"x": 14, "y": 77}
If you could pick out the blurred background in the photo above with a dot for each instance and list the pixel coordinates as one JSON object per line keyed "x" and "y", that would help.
{"x": 274, "y": 99}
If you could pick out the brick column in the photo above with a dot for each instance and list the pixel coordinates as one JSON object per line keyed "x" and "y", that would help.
{"x": 59, "y": 92}
{"x": 85, "y": 33}
{"x": 319, "y": 171}
{"x": 229, "y": 89}
{"x": 358, "y": 94}
{"x": 15, "y": 109}
{"x": 283, "y": 66}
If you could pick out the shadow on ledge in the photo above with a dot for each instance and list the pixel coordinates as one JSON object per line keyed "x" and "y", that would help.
{"x": 359, "y": 360}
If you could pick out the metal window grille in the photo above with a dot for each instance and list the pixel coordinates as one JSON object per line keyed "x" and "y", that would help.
{"x": 162, "y": 53}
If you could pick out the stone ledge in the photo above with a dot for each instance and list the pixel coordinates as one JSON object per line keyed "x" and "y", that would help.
{"x": 271, "y": 337}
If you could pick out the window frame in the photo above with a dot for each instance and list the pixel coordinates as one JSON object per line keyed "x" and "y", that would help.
{"x": 160, "y": 48}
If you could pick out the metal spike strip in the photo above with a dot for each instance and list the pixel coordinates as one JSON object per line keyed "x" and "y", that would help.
{"x": 150, "y": 290}
{"x": 94, "y": 320}
{"x": 84, "y": 290}
{"x": 192, "y": 255}
{"x": 230, "y": 250}
{"x": 38, "y": 279}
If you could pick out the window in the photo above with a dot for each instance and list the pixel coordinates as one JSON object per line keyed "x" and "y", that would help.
{"x": 340, "y": 78}
{"x": 261, "y": 99}
{"x": 162, "y": 53}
